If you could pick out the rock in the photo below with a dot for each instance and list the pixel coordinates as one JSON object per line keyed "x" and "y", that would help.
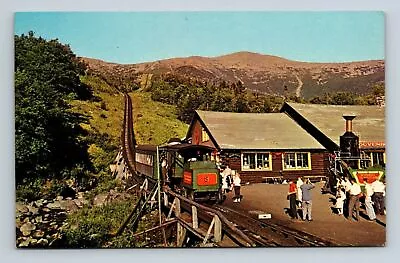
{"x": 24, "y": 243}
{"x": 39, "y": 219}
{"x": 54, "y": 205}
{"x": 21, "y": 208}
{"x": 43, "y": 242}
{"x": 78, "y": 202}
{"x": 26, "y": 220}
{"x": 59, "y": 198}
{"x": 53, "y": 223}
{"x": 27, "y": 228}
{"x": 39, "y": 203}
{"x": 33, "y": 210}
{"x": 100, "y": 199}
{"x": 46, "y": 210}
{"x": 38, "y": 234}
{"x": 80, "y": 195}
{"x": 68, "y": 198}
{"x": 26, "y": 233}
{"x": 69, "y": 205}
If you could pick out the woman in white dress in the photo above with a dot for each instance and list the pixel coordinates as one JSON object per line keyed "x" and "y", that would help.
{"x": 340, "y": 197}
{"x": 299, "y": 196}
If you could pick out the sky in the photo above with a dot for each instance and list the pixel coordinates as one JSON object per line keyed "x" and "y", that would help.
{"x": 133, "y": 37}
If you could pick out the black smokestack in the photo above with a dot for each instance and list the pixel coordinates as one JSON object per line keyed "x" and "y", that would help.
{"x": 349, "y": 142}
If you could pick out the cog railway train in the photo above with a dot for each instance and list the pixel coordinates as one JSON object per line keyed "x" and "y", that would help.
{"x": 185, "y": 168}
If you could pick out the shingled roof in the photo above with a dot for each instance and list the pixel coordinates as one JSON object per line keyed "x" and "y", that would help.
{"x": 256, "y": 131}
{"x": 369, "y": 123}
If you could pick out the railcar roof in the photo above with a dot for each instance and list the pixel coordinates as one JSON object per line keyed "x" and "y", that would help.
{"x": 369, "y": 123}
{"x": 186, "y": 146}
{"x": 256, "y": 131}
{"x": 146, "y": 147}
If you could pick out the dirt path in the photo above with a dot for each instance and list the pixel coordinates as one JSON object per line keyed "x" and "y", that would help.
{"x": 298, "y": 89}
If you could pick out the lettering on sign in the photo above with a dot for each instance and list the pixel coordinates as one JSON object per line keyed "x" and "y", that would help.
{"x": 206, "y": 179}
{"x": 364, "y": 144}
{"x": 370, "y": 176}
{"x": 187, "y": 177}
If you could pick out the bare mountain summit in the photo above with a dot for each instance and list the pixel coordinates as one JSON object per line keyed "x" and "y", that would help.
{"x": 262, "y": 73}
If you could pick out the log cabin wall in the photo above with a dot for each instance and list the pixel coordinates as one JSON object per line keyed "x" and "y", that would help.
{"x": 197, "y": 135}
{"x": 319, "y": 166}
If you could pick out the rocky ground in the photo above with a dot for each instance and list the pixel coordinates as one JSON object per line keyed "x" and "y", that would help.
{"x": 40, "y": 223}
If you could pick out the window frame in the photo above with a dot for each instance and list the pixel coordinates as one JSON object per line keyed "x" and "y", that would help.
{"x": 204, "y": 135}
{"x": 296, "y": 168}
{"x": 255, "y": 160}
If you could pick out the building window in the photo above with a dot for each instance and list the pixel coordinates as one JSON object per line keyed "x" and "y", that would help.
{"x": 257, "y": 161}
{"x": 204, "y": 135}
{"x": 296, "y": 161}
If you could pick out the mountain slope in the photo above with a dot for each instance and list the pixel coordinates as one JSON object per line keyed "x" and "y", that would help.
{"x": 261, "y": 73}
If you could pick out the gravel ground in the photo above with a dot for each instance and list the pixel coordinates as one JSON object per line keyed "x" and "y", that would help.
{"x": 271, "y": 198}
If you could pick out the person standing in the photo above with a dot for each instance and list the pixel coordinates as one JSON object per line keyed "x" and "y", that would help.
{"x": 227, "y": 179}
{"x": 340, "y": 198}
{"x": 369, "y": 191}
{"x": 307, "y": 199}
{"x": 346, "y": 186}
{"x": 291, "y": 196}
{"x": 378, "y": 196}
{"x": 299, "y": 193}
{"x": 354, "y": 202}
{"x": 236, "y": 187}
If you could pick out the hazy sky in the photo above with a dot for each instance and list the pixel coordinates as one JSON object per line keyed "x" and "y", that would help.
{"x": 128, "y": 37}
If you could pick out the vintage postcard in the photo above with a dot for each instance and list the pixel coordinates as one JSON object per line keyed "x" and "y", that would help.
{"x": 199, "y": 129}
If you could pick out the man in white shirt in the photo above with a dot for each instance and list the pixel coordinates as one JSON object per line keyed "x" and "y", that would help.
{"x": 354, "y": 202}
{"x": 378, "y": 197}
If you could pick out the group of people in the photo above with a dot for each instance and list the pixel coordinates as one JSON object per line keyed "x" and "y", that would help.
{"x": 299, "y": 195}
{"x": 231, "y": 181}
{"x": 349, "y": 193}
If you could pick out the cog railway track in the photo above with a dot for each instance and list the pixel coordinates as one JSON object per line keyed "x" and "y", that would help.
{"x": 238, "y": 229}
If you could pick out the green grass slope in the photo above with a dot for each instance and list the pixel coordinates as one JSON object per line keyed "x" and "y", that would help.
{"x": 155, "y": 122}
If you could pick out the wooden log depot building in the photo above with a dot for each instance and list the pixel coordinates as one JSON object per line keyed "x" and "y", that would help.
{"x": 326, "y": 124}
{"x": 259, "y": 145}
{"x": 293, "y": 143}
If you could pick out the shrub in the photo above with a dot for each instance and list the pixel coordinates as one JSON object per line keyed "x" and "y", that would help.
{"x": 30, "y": 191}
{"x": 91, "y": 227}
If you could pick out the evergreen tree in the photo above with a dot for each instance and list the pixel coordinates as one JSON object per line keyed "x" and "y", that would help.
{"x": 47, "y": 134}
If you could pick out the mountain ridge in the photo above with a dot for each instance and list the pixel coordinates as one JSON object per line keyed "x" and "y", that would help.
{"x": 258, "y": 72}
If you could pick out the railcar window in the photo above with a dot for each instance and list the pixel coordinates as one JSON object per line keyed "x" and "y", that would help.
{"x": 144, "y": 158}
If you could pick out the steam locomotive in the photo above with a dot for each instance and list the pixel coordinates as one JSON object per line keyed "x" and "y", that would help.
{"x": 349, "y": 161}
{"x": 185, "y": 168}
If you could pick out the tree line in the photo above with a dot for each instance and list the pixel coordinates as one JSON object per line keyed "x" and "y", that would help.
{"x": 189, "y": 95}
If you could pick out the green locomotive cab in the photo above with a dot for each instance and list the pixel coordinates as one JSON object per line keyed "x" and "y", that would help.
{"x": 192, "y": 171}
